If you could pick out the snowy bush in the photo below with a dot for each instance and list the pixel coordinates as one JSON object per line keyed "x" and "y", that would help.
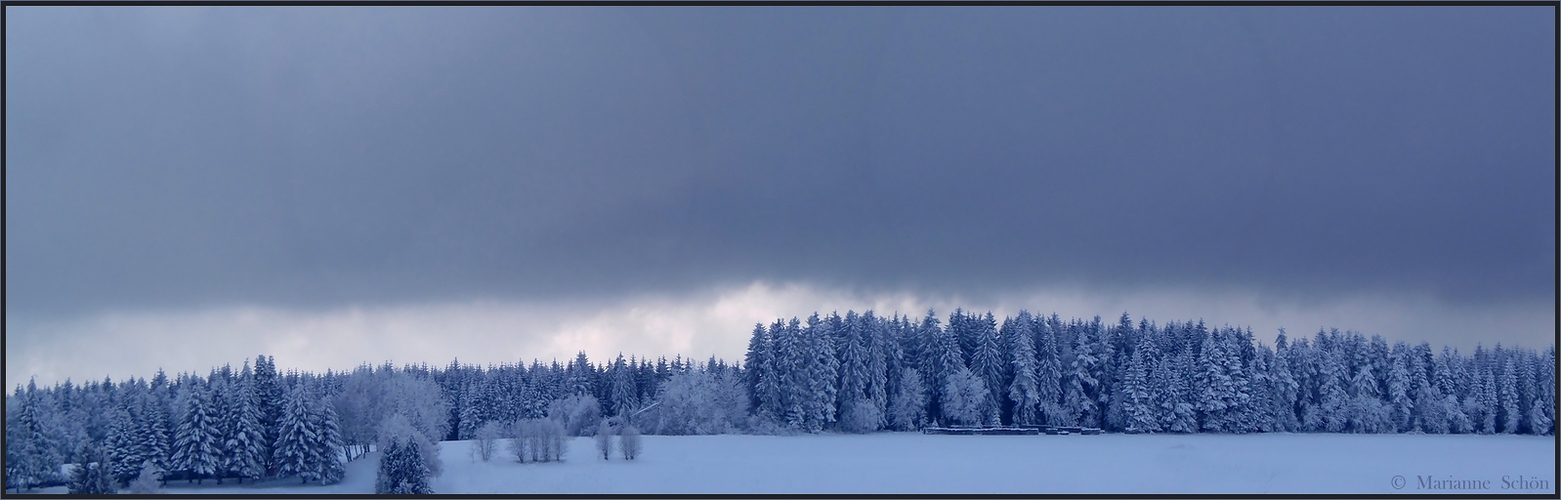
{"x": 964, "y": 398}
{"x": 419, "y": 401}
{"x": 629, "y": 441}
{"x": 760, "y": 425}
{"x": 698, "y": 402}
{"x": 146, "y": 483}
{"x": 604, "y": 440}
{"x": 579, "y": 414}
{"x": 908, "y": 406}
{"x": 860, "y": 417}
{"x": 397, "y": 428}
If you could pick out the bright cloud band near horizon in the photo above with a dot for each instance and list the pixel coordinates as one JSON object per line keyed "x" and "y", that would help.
{"x": 716, "y": 323}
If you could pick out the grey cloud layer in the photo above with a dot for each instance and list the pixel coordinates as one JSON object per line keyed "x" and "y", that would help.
{"x": 167, "y": 158}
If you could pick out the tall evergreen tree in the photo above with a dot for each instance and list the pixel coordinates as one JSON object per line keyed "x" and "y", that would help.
{"x": 268, "y": 402}
{"x": 876, "y": 340}
{"x": 853, "y": 368}
{"x": 296, "y": 450}
{"x": 329, "y": 444}
{"x": 91, "y": 475}
{"x": 1285, "y": 389}
{"x": 821, "y": 373}
{"x": 1543, "y": 411}
{"x": 1081, "y": 385}
{"x": 987, "y": 362}
{"x": 1508, "y": 396}
{"x": 1024, "y": 391}
{"x": 197, "y": 447}
{"x": 1048, "y": 371}
{"x": 244, "y": 443}
{"x": 35, "y": 436}
{"x": 946, "y": 363}
{"x": 623, "y": 397}
{"x": 402, "y": 470}
{"x": 123, "y": 443}
{"x": 1138, "y": 399}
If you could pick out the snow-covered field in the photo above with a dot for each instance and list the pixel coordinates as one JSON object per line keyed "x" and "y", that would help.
{"x": 916, "y": 463}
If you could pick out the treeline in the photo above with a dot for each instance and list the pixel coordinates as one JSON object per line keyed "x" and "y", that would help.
{"x": 851, "y": 373}
{"x": 246, "y": 424}
{"x": 862, "y": 372}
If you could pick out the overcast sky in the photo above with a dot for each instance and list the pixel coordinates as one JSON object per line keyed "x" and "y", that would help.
{"x": 192, "y": 186}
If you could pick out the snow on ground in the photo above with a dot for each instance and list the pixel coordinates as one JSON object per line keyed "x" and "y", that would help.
{"x": 917, "y": 463}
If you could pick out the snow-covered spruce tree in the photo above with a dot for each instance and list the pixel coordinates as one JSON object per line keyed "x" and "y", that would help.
{"x": 947, "y": 361}
{"x": 123, "y": 444}
{"x": 1401, "y": 406}
{"x": 1543, "y": 410}
{"x": 1214, "y": 386}
{"x": 1048, "y": 371}
{"x": 987, "y": 362}
{"x": 1176, "y": 410}
{"x": 1024, "y": 391}
{"x": 296, "y": 451}
{"x": 328, "y": 443}
{"x": 1285, "y": 389}
{"x": 34, "y": 435}
{"x": 244, "y": 445}
{"x": 1138, "y": 400}
{"x": 880, "y": 354}
{"x": 1482, "y": 402}
{"x": 820, "y": 374}
{"x": 197, "y": 446}
{"x": 1332, "y": 412}
{"x": 755, "y": 367}
{"x": 389, "y": 468}
{"x": 269, "y": 406}
{"x": 1445, "y": 382}
{"x": 784, "y": 357}
{"x": 853, "y": 377}
{"x": 91, "y": 475}
{"x": 402, "y": 470}
{"x": 624, "y": 398}
{"x": 1079, "y": 398}
{"x": 471, "y": 411}
{"x": 1261, "y": 414}
{"x": 414, "y": 473}
{"x": 1507, "y": 396}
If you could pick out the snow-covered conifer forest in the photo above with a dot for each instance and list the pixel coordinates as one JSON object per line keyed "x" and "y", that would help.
{"x": 852, "y": 374}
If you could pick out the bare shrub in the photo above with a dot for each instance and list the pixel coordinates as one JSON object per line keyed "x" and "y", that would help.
{"x": 537, "y": 440}
{"x": 604, "y": 440}
{"x": 487, "y": 439}
{"x": 629, "y": 441}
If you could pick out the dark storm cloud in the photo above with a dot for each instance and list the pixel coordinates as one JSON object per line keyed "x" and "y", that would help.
{"x": 308, "y": 157}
